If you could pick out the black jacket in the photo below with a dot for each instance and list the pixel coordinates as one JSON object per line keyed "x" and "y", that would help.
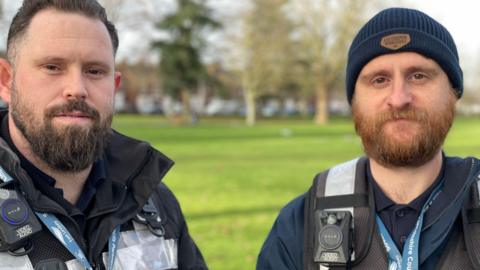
{"x": 284, "y": 246}
{"x": 134, "y": 173}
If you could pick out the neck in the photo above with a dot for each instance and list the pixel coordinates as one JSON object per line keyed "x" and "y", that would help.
{"x": 404, "y": 184}
{"x": 70, "y": 182}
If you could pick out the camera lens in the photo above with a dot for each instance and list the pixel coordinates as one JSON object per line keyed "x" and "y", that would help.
{"x": 14, "y": 212}
{"x": 330, "y": 237}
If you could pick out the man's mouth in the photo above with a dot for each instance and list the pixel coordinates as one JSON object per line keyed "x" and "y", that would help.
{"x": 74, "y": 114}
{"x": 400, "y": 122}
{"x": 73, "y": 117}
{"x": 402, "y": 119}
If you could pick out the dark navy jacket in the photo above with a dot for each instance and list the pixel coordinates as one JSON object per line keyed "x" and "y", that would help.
{"x": 134, "y": 171}
{"x": 283, "y": 248}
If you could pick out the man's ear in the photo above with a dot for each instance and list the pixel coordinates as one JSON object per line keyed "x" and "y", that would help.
{"x": 6, "y": 80}
{"x": 118, "y": 80}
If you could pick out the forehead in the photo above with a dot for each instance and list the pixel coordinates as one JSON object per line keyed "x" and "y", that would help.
{"x": 402, "y": 60}
{"x": 57, "y": 32}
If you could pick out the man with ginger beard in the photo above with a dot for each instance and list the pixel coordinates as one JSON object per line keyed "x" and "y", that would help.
{"x": 75, "y": 193}
{"x": 405, "y": 205}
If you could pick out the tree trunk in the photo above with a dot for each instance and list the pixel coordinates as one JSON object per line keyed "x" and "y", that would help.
{"x": 251, "y": 112}
{"x": 186, "y": 108}
{"x": 321, "y": 105}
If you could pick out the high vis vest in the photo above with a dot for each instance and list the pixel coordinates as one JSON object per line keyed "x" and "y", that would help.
{"x": 345, "y": 188}
{"x": 138, "y": 249}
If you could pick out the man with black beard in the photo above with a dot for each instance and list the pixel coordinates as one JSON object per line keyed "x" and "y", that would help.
{"x": 96, "y": 195}
{"x": 405, "y": 205}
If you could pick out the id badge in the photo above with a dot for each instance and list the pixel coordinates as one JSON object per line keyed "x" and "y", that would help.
{"x": 141, "y": 250}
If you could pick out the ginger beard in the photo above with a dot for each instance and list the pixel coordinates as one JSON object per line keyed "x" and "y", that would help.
{"x": 412, "y": 144}
{"x": 68, "y": 148}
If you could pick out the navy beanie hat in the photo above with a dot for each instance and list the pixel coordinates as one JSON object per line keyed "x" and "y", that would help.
{"x": 403, "y": 30}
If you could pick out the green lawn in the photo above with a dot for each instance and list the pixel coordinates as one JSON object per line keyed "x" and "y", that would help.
{"x": 232, "y": 180}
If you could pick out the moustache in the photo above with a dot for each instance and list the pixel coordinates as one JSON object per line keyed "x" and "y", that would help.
{"x": 73, "y": 106}
{"x": 411, "y": 114}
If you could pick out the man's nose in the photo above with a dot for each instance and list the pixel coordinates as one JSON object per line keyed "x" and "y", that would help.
{"x": 76, "y": 87}
{"x": 400, "y": 95}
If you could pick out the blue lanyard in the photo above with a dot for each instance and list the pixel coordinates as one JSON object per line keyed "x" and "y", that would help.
{"x": 409, "y": 259}
{"x": 113, "y": 246}
{"x": 63, "y": 235}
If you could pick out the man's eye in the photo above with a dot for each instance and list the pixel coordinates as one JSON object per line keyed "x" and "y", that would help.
{"x": 51, "y": 67}
{"x": 418, "y": 76}
{"x": 96, "y": 72}
{"x": 379, "y": 81}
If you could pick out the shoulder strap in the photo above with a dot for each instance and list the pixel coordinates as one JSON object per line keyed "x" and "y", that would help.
{"x": 343, "y": 187}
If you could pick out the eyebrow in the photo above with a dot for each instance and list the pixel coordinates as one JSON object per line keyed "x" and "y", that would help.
{"x": 431, "y": 71}
{"x": 50, "y": 59}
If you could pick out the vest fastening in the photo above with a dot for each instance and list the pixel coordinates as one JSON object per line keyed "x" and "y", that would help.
{"x": 344, "y": 187}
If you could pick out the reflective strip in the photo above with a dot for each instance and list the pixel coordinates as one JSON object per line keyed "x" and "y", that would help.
{"x": 478, "y": 187}
{"x": 341, "y": 181}
{"x": 74, "y": 265}
{"x": 9, "y": 262}
{"x": 4, "y": 175}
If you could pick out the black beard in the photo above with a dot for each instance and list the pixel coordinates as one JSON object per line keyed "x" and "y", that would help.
{"x": 66, "y": 149}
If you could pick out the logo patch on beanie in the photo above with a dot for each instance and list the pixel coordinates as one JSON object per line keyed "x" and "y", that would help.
{"x": 395, "y": 41}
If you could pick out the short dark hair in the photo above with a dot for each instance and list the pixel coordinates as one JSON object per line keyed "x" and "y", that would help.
{"x": 29, "y": 8}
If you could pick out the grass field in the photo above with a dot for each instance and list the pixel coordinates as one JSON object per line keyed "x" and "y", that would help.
{"x": 232, "y": 180}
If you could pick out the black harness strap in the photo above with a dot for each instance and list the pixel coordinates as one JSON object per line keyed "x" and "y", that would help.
{"x": 361, "y": 201}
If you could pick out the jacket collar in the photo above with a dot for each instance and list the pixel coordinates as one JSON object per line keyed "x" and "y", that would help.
{"x": 135, "y": 166}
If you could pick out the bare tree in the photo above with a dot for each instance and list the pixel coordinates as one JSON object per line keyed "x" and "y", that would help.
{"x": 130, "y": 13}
{"x": 265, "y": 46}
{"x": 325, "y": 30}
{"x": 134, "y": 18}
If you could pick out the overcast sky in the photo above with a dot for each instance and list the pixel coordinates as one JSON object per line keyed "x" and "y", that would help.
{"x": 460, "y": 17}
